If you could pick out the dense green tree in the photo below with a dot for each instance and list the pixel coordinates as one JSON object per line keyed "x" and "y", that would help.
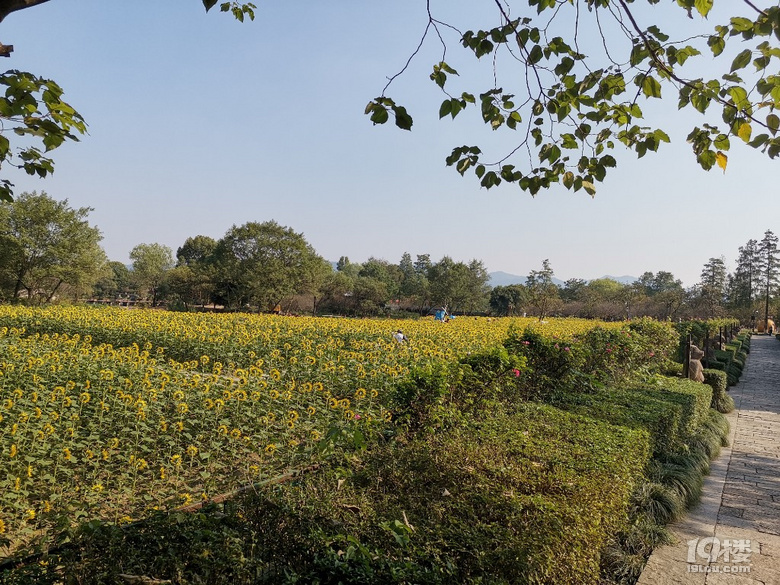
{"x": 369, "y": 295}
{"x": 47, "y": 248}
{"x": 745, "y": 282}
{"x": 543, "y": 294}
{"x": 344, "y": 266}
{"x": 151, "y": 263}
{"x": 414, "y": 288}
{"x": 665, "y": 294}
{"x": 572, "y": 289}
{"x": 116, "y": 282}
{"x": 507, "y": 301}
{"x": 261, "y": 265}
{"x": 459, "y": 287}
{"x": 196, "y": 251}
{"x": 337, "y": 290}
{"x": 712, "y": 286}
{"x": 768, "y": 264}
{"x": 604, "y": 298}
{"x": 191, "y": 282}
{"x": 390, "y": 275}
{"x": 314, "y": 277}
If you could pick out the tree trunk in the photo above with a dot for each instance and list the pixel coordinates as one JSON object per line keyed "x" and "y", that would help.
{"x": 53, "y": 292}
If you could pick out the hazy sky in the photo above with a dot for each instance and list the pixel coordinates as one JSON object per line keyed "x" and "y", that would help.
{"x": 197, "y": 123}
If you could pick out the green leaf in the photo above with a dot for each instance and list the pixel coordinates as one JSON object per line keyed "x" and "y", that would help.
{"x": 722, "y": 142}
{"x": 703, "y": 7}
{"x": 773, "y": 122}
{"x": 651, "y": 87}
{"x": 445, "y": 109}
{"x": 741, "y": 60}
{"x": 209, "y": 4}
{"x": 717, "y": 45}
{"x": 707, "y": 159}
{"x": 759, "y": 140}
{"x": 379, "y": 115}
{"x": 535, "y": 55}
{"x": 741, "y": 24}
{"x": 739, "y": 95}
{"x": 456, "y": 107}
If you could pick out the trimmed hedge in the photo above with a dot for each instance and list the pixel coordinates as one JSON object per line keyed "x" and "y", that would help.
{"x": 529, "y": 496}
{"x": 670, "y": 411}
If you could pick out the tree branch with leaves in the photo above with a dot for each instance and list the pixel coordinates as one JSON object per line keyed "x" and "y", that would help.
{"x": 572, "y": 110}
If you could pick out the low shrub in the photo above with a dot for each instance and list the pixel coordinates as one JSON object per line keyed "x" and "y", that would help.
{"x": 601, "y": 356}
{"x": 552, "y": 366}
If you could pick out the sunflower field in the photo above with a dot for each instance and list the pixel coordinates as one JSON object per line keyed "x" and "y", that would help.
{"x": 111, "y": 413}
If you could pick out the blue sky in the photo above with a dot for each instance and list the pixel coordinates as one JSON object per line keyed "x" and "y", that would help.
{"x": 197, "y": 123}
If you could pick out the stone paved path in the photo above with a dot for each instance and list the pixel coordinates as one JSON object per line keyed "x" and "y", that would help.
{"x": 741, "y": 500}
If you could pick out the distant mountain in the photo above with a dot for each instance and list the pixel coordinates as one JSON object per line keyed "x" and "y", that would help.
{"x": 623, "y": 279}
{"x": 500, "y": 278}
{"x": 505, "y": 279}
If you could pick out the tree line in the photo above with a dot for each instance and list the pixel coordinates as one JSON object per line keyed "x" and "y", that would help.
{"x": 49, "y": 252}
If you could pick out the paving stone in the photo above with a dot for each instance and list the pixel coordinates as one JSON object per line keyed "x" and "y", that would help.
{"x": 742, "y": 492}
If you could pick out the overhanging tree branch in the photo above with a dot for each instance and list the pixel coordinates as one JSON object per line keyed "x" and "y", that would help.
{"x": 666, "y": 69}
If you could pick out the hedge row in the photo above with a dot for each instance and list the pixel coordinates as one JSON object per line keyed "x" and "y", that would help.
{"x": 732, "y": 359}
{"x": 527, "y": 496}
{"x": 671, "y": 410}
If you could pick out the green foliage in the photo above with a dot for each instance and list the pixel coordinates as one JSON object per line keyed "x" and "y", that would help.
{"x": 700, "y": 330}
{"x": 473, "y": 485}
{"x": 553, "y": 366}
{"x": 573, "y": 112}
{"x": 437, "y": 395}
{"x": 261, "y": 264}
{"x": 151, "y": 262}
{"x": 239, "y": 10}
{"x": 733, "y": 359}
{"x": 47, "y": 249}
{"x": 601, "y": 356}
{"x": 617, "y": 355}
{"x": 32, "y": 107}
{"x": 420, "y": 511}
{"x": 213, "y": 545}
{"x": 670, "y": 409}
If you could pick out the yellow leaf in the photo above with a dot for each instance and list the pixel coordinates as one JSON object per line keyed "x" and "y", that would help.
{"x": 745, "y": 131}
{"x": 722, "y": 160}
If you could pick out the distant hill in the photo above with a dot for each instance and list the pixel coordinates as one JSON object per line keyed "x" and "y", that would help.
{"x": 505, "y": 279}
{"x": 623, "y": 279}
{"x": 500, "y": 278}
